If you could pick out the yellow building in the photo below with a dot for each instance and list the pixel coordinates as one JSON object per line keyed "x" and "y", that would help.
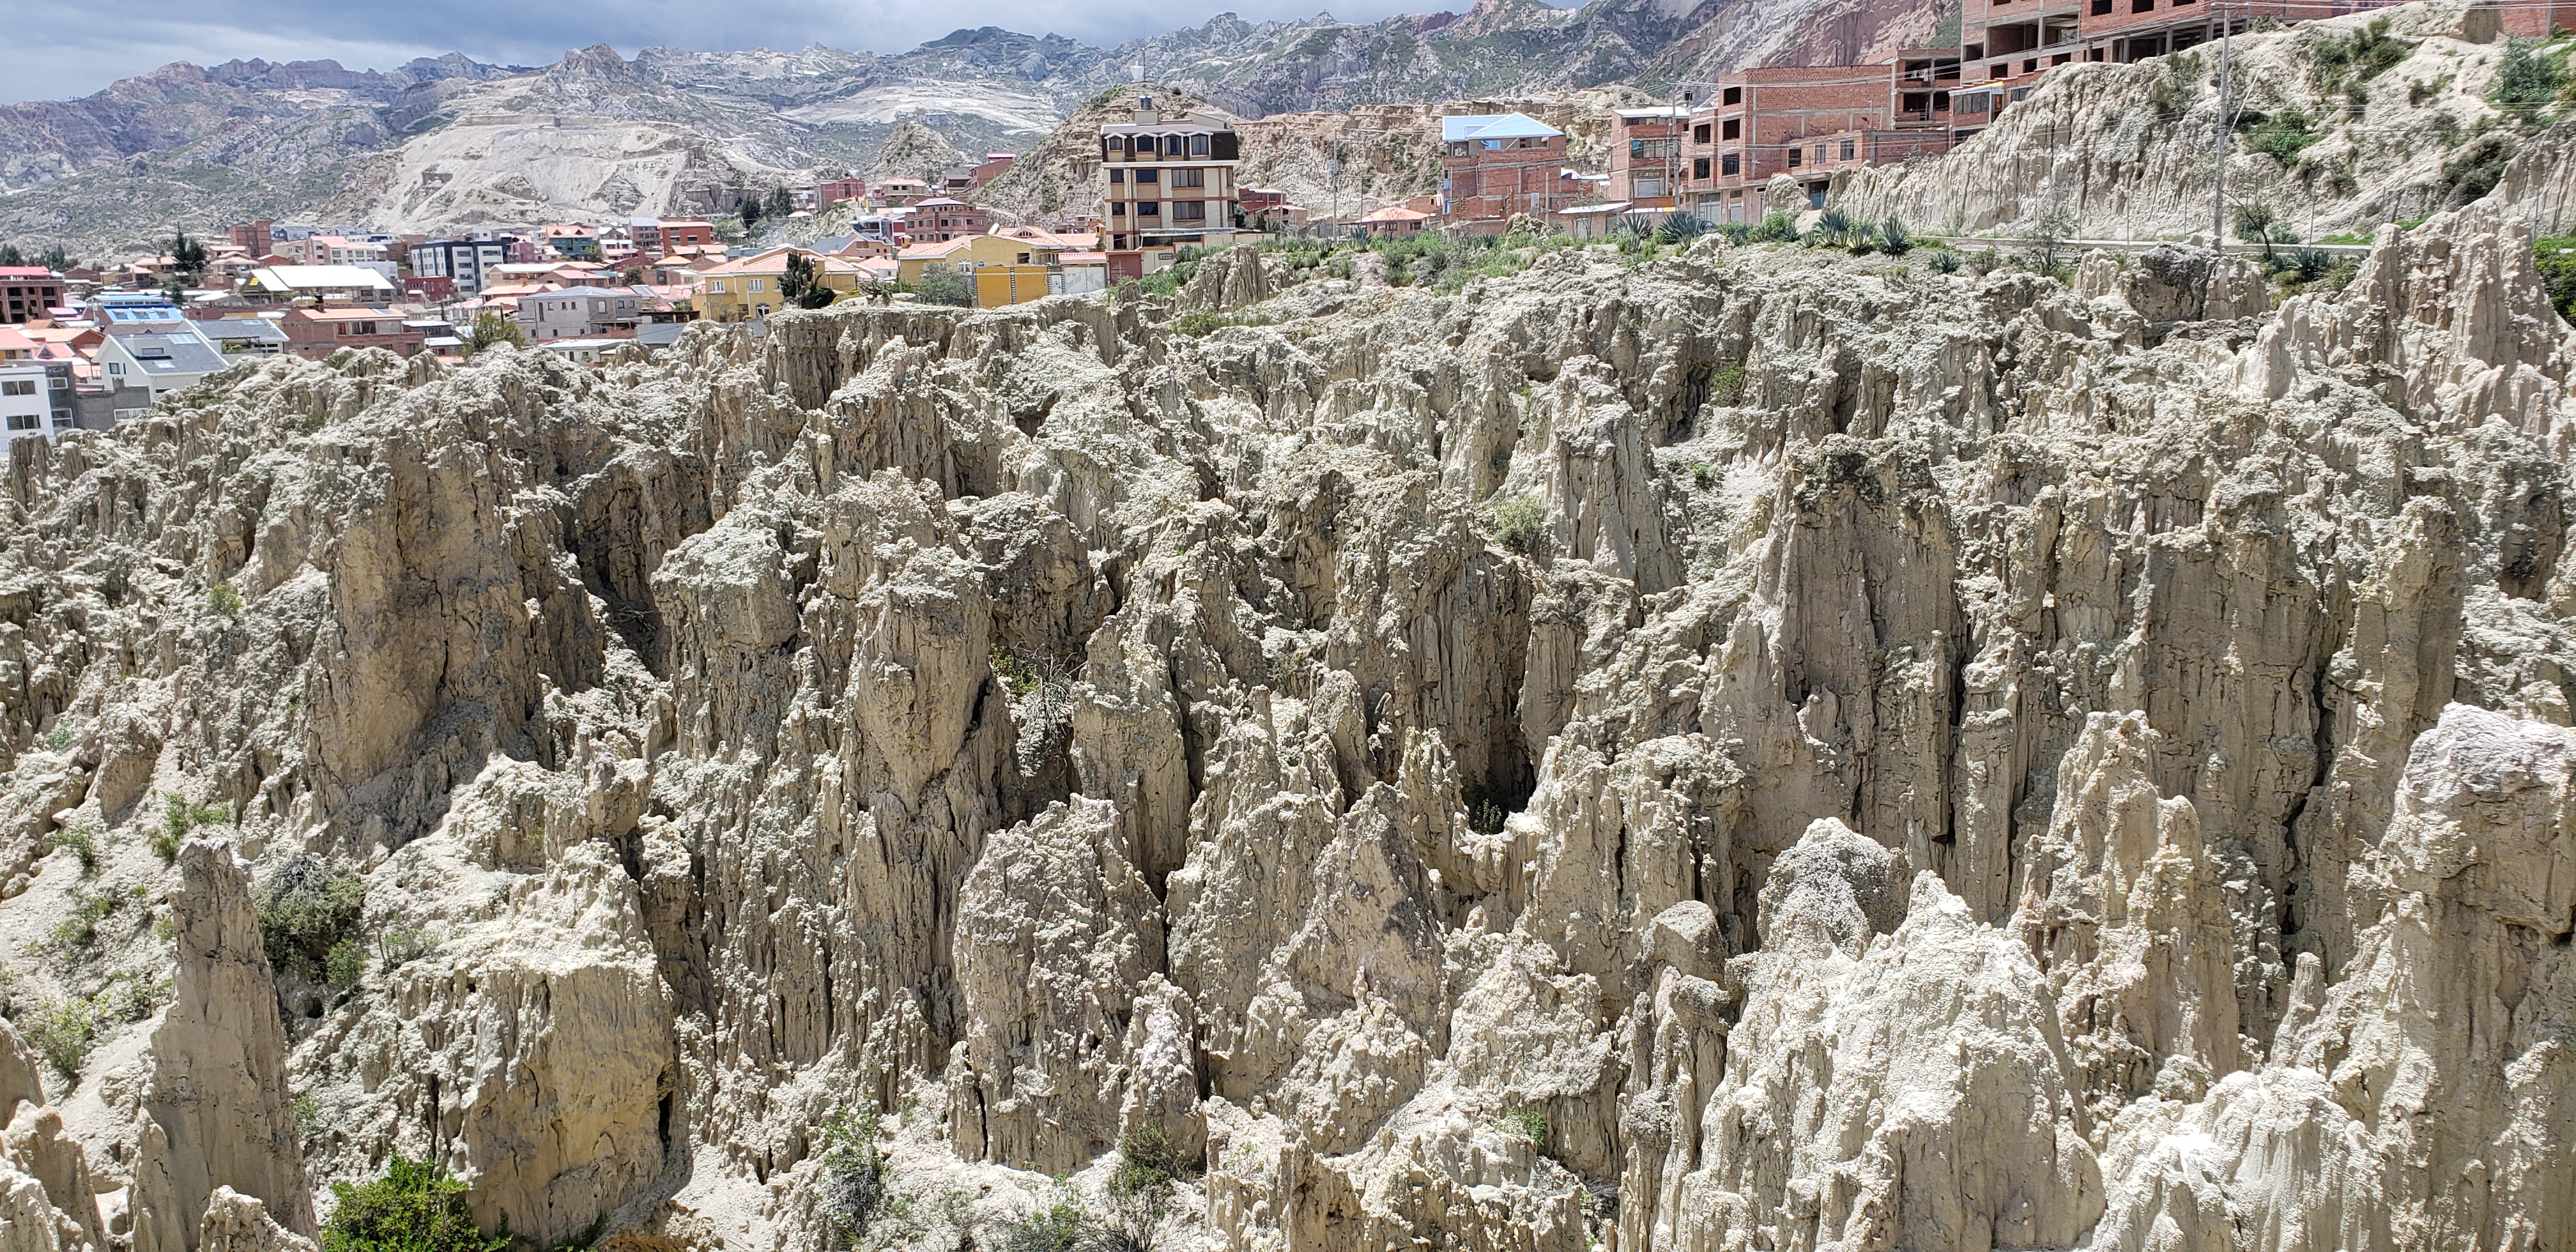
{"x": 1005, "y": 268}
{"x": 747, "y": 287}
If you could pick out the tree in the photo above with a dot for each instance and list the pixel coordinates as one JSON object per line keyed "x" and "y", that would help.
{"x": 187, "y": 257}
{"x": 2049, "y": 234}
{"x": 802, "y": 285}
{"x": 415, "y": 1207}
{"x": 10, "y": 255}
{"x": 748, "y": 208}
{"x": 941, "y": 284}
{"x": 781, "y": 203}
{"x": 490, "y": 328}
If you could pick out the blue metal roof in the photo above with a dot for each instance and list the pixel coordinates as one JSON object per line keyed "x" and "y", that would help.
{"x": 1495, "y": 126}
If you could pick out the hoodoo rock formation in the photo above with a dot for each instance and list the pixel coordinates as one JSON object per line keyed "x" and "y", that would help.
{"x": 1764, "y": 749}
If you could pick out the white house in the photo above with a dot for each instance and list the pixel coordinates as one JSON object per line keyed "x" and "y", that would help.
{"x": 35, "y": 399}
{"x": 174, "y": 358}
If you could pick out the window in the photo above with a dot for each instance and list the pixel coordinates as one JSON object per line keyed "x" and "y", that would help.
{"x": 22, "y": 421}
{"x": 1734, "y": 95}
{"x": 2030, "y": 66}
{"x": 764, "y": 310}
{"x": 1198, "y": 145}
{"x": 1793, "y": 158}
{"x": 2142, "y": 6}
{"x": 715, "y": 286}
{"x": 1699, "y": 133}
{"x": 1491, "y": 145}
{"x": 759, "y": 285}
{"x": 1024, "y": 259}
{"x": 116, "y": 367}
{"x": 1977, "y": 51}
{"x": 1189, "y": 210}
{"x": 1117, "y": 208}
{"x": 1150, "y": 208}
{"x": 1189, "y": 178}
{"x": 1847, "y": 149}
{"x": 1699, "y": 167}
{"x": 1149, "y": 176}
{"x": 18, "y": 387}
{"x": 1731, "y": 164}
{"x": 1733, "y": 129}
{"x": 1118, "y": 176}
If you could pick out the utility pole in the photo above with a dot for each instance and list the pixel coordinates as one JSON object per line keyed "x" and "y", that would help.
{"x": 2226, "y": 85}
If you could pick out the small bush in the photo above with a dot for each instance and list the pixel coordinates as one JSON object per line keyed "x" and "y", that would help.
{"x": 2527, "y": 81}
{"x": 305, "y": 910}
{"x": 346, "y": 964}
{"x": 415, "y": 1207}
{"x": 1528, "y": 1123}
{"x": 178, "y": 817}
{"x": 62, "y": 1032}
{"x": 942, "y": 284}
{"x": 852, "y": 1190}
{"x": 1894, "y": 239}
{"x": 1776, "y": 227}
{"x": 78, "y": 929}
{"x": 1059, "y": 1227}
{"x": 1014, "y": 675}
{"x": 223, "y": 599}
{"x": 2475, "y": 170}
{"x": 398, "y": 947}
{"x": 2284, "y": 135}
{"x": 1488, "y": 804}
{"x": 59, "y": 738}
{"x": 1945, "y": 262}
{"x": 1519, "y": 522}
{"x": 1200, "y": 325}
{"x": 1148, "y": 1161}
{"x": 80, "y": 841}
{"x": 2310, "y": 264}
{"x": 1727, "y": 385}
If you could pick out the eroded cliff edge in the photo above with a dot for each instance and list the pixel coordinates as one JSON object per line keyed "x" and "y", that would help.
{"x": 1759, "y": 750}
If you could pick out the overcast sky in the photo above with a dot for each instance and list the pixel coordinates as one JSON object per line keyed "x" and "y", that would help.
{"x": 60, "y": 49}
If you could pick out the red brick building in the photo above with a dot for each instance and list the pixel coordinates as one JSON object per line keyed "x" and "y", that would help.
{"x": 1495, "y": 165}
{"x": 317, "y": 333}
{"x": 940, "y": 219}
{"x": 27, "y": 291}
{"x": 832, "y": 191}
{"x": 1646, "y": 164}
{"x": 1806, "y": 121}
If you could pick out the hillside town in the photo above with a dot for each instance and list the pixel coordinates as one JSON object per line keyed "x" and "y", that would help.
{"x": 84, "y": 345}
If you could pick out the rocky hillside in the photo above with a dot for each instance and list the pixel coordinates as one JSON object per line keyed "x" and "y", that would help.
{"x": 453, "y": 143}
{"x": 1754, "y": 748}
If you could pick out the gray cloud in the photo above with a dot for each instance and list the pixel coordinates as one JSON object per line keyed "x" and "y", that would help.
{"x": 61, "y": 49}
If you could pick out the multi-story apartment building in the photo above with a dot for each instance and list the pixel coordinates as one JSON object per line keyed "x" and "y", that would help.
{"x": 578, "y": 313}
{"x": 317, "y": 333}
{"x": 1808, "y": 121}
{"x": 35, "y": 399}
{"x": 254, "y": 238}
{"x": 1166, "y": 183}
{"x": 940, "y": 219}
{"x": 27, "y": 292}
{"x": 1494, "y": 165}
{"x": 467, "y": 263}
{"x": 1646, "y": 164}
{"x": 832, "y": 191}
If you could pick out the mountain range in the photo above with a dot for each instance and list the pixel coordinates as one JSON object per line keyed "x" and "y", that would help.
{"x": 452, "y": 143}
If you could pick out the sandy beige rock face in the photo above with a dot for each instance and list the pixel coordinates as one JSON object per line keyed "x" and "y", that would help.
{"x": 1763, "y": 749}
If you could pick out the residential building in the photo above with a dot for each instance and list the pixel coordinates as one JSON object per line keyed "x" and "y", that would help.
{"x": 28, "y": 293}
{"x": 236, "y": 336}
{"x": 586, "y": 351}
{"x": 1267, "y": 208}
{"x": 317, "y": 333}
{"x": 685, "y": 233}
{"x": 1005, "y": 269}
{"x": 165, "y": 357}
{"x": 995, "y": 165}
{"x": 1169, "y": 183}
{"x": 1646, "y": 163}
{"x": 326, "y": 284}
{"x": 832, "y": 191}
{"x": 571, "y": 241}
{"x": 254, "y": 238}
{"x": 1493, "y": 166}
{"x": 1395, "y": 221}
{"x": 579, "y": 313}
{"x": 940, "y": 219}
{"x": 333, "y": 250}
{"x": 747, "y": 288}
{"x": 36, "y": 399}
{"x": 902, "y": 192}
{"x": 467, "y": 264}
{"x": 1807, "y": 121}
